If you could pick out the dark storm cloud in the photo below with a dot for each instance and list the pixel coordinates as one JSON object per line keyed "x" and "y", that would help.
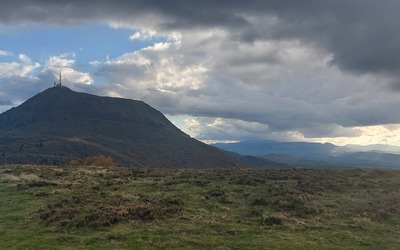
{"x": 362, "y": 35}
{"x": 175, "y": 14}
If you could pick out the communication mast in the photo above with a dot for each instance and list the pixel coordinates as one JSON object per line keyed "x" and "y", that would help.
{"x": 59, "y": 84}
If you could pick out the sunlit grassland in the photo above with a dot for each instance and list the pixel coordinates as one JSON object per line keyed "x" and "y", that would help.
{"x": 126, "y": 208}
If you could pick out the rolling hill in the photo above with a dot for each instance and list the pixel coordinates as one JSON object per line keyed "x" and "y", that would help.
{"x": 58, "y": 125}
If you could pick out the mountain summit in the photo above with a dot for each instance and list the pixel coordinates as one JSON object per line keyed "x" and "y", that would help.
{"x": 58, "y": 125}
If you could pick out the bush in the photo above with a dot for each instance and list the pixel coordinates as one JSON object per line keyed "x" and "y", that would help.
{"x": 100, "y": 161}
{"x": 272, "y": 221}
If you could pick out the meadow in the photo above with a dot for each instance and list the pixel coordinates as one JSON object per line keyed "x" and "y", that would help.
{"x": 89, "y": 207}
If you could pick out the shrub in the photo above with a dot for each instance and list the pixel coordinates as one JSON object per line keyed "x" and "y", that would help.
{"x": 272, "y": 221}
{"x": 99, "y": 160}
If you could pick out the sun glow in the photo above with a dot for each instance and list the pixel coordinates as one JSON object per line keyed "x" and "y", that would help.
{"x": 368, "y": 135}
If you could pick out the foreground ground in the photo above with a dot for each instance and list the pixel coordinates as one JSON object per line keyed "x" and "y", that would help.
{"x": 125, "y": 208}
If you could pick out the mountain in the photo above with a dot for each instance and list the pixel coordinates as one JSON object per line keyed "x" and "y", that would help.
{"x": 316, "y": 155}
{"x": 58, "y": 125}
{"x": 312, "y": 151}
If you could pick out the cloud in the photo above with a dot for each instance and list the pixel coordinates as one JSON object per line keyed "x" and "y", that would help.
{"x": 274, "y": 84}
{"x": 21, "y": 68}
{"x": 58, "y": 62}
{"x": 5, "y": 53}
{"x": 367, "y": 135}
{"x": 64, "y": 63}
{"x": 155, "y": 68}
{"x": 21, "y": 79}
{"x": 225, "y": 129}
{"x": 361, "y": 35}
{"x": 143, "y": 35}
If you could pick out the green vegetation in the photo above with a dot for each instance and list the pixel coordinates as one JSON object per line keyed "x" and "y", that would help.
{"x": 127, "y": 208}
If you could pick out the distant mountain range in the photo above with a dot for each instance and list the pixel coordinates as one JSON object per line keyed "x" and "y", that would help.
{"x": 321, "y": 155}
{"x": 59, "y": 125}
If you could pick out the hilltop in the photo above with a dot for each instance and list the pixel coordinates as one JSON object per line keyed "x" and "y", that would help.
{"x": 59, "y": 124}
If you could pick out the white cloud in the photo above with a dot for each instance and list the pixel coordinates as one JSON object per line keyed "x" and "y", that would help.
{"x": 143, "y": 35}
{"x": 24, "y": 58}
{"x": 136, "y": 36}
{"x": 5, "y": 53}
{"x": 74, "y": 77}
{"x": 21, "y": 79}
{"x": 24, "y": 68}
{"x": 61, "y": 61}
{"x": 160, "y": 67}
{"x": 95, "y": 63}
{"x": 64, "y": 63}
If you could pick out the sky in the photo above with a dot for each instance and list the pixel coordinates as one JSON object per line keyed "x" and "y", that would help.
{"x": 285, "y": 70}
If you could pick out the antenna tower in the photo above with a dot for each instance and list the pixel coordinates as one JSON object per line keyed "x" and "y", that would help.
{"x": 59, "y": 84}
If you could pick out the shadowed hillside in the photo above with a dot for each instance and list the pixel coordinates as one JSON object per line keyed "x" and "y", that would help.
{"x": 59, "y": 125}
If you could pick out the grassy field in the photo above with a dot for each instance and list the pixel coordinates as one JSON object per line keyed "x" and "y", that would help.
{"x": 126, "y": 208}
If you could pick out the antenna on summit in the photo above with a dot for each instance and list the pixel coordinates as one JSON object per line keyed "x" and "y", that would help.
{"x": 59, "y": 84}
